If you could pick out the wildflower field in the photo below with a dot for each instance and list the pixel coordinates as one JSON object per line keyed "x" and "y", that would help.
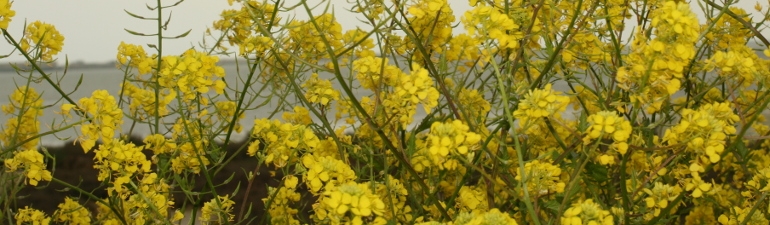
{"x": 660, "y": 125}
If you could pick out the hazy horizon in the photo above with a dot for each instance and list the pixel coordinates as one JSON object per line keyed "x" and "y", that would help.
{"x": 93, "y": 29}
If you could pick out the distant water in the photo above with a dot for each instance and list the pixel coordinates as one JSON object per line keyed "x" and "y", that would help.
{"x": 109, "y": 78}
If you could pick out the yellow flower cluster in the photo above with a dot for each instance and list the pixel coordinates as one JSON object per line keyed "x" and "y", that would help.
{"x": 325, "y": 171}
{"x": 472, "y": 199}
{"x": 394, "y": 195}
{"x": 607, "y": 124}
{"x": 658, "y": 198}
{"x": 283, "y": 141}
{"x": 190, "y": 152}
{"x": 71, "y": 212}
{"x": 349, "y": 203}
{"x": 320, "y": 90}
{"x": 727, "y": 31}
{"x": 26, "y": 104}
{"x": 32, "y": 216}
{"x": 373, "y": 72}
{"x": 586, "y": 212}
{"x": 43, "y": 37}
{"x": 310, "y": 42}
{"x": 450, "y": 137}
{"x": 409, "y": 91}
{"x": 120, "y": 161}
{"x": 487, "y": 22}
{"x": 106, "y": 118}
{"x": 738, "y": 215}
{"x": 477, "y": 106}
{"x": 149, "y": 203}
{"x": 655, "y": 68}
{"x": 704, "y": 131}
{"x": 739, "y": 61}
{"x": 243, "y": 24}
{"x": 540, "y": 103}
{"x": 218, "y": 211}
{"x": 431, "y": 22}
{"x": 135, "y": 56}
{"x": 5, "y": 13}
{"x": 192, "y": 73}
{"x": 493, "y": 216}
{"x": 279, "y": 207}
{"x": 362, "y": 50}
{"x": 541, "y": 178}
{"x": 143, "y": 104}
{"x": 225, "y": 111}
{"x": 300, "y": 116}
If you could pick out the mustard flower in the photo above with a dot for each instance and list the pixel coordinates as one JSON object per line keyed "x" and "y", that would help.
{"x": 586, "y": 212}
{"x": 738, "y": 216}
{"x": 320, "y": 90}
{"x": 350, "y": 202}
{"x": 135, "y": 56}
{"x": 701, "y": 214}
{"x": 283, "y": 141}
{"x": 106, "y": 118}
{"x": 45, "y": 38}
{"x": 191, "y": 74}
{"x": 5, "y": 13}
{"x": 217, "y": 210}
{"x": 226, "y": 111}
{"x": 478, "y": 107}
{"x": 300, "y": 116}
{"x": 541, "y": 178}
{"x": 120, "y": 161}
{"x": 429, "y": 18}
{"x": 72, "y": 212}
{"x": 704, "y": 131}
{"x": 27, "y": 105}
{"x": 655, "y": 68}
{"x": 372, "y": 72}
{"x": 32, "y": 216}
{"x": 31, "y": 161}
{"x": 143, "y": 104}
{"x": 659, "y": 197}
{"x": 487, "y": 22}
{"x": 325, "y": 171}
{"x": 394, "y": 195}
{"x": 472, "y": 199}
{"x": 541, "y": 103}
{"x": 279, "y": 206}
{"x": 606, "y": 124}
{"x": 451, "y": 137}
{"x": 310, "y": 42}
{"x": 697, "y": 186}
{"x": 409, "y": 91}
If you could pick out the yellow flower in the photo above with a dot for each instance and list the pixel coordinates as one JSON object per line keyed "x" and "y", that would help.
{"x": 217, "y": 210}
{"x": 33, "y": 216}
{"x": 451, "y": 137}
{"x": 72, "y": 212}
{"x": 349, "y": 203}
{"x": 43, "y": 37}
{"x": 658, "y": 198}
{"x": 5, "y": 13}
{"x": 320, "y": 90}
{"x": 541, "y": 178}
{"x": 586, "y": 212}
{"x": 541, "y": 103}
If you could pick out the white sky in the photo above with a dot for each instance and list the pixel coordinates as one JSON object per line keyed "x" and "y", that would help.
{"x": 94, "y": 28}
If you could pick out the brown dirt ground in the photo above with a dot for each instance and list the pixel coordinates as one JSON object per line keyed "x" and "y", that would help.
{"x": 75, "y": 167}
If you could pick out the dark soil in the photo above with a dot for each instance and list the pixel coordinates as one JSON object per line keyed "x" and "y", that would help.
{"x": 75, "y": 167}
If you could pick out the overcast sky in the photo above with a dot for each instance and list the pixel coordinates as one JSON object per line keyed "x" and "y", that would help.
{"x": 94, "y": 28}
